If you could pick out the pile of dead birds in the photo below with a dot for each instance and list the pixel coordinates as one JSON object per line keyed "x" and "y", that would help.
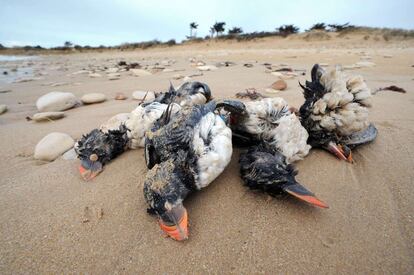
{"x": 188, "y": 140}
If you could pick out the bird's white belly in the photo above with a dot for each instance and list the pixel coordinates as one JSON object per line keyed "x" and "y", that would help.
{"x": 214, "y": 152}
{"x": 142, "y": 119}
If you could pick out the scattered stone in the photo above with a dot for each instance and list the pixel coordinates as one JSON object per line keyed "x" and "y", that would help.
{"x": 324, "y": 64}
{"x": 200, "y": 63}
{"x": 207, "y": 68}
{"x": 114, "y": 76}
{"x": 52, "y": 146}
{"x": 140, "y": 95}
{"x": 248, "y": 65}
{"x": 94, "y": 75}
{"x": 3, "y": 108}
{"x": 114, "y": 122}
{"x": 58, "y": 84}
{"x": 56, "y": 101}
{"x": 140, "y": 72}
{"x": 27, "y": 79}
{"x": 120, "y": 96}
{"x": 287, "y": 75}
{"x": 279, "y": 85}
{"x": 168, "y": 70}
{"x": 81, "y": 72}
{"x": 388, "y": 56}
{"x": 225, "y": 64}
{"x": 112, "y": 70}
{"x": 3, "y": 90}
{"x": 70, "y": 155}
{"x": 350, "y": 67}
{"x": 47, "y": 116}
{"x": 178, "y": 76}
{"x": 93, "y": 98}
{"x": 365, "y": 64}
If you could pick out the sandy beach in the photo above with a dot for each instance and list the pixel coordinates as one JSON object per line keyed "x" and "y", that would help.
{"x": 51, "y": 221}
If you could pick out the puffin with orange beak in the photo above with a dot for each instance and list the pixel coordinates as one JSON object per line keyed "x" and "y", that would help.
{"x": 264, "y": 168}
{"x": 335, "y": 112}
{"x": 100, "y": 146}
{"x": 97, "y": 148}
{"x": 185, "y": 153}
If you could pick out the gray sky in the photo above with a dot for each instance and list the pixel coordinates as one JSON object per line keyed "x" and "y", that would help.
{"x": 95, "y": 22}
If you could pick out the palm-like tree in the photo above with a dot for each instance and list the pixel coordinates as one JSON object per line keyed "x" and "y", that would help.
{"x": 193, "y": 26}
{"x": 68, "y": 44}
{"x": 235, "y": 30}
{"x": 219, "y": 27}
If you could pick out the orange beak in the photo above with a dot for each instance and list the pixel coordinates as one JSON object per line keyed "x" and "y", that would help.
{"x": 299, "y": 191}
{"x": 86, "y": 174}
{"x": 179, "y": 230}
{"x": 338, "y": 151}
{"x": 89, "y": 169}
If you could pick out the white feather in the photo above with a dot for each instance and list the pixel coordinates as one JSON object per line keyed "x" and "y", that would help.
{"x": 142, "y": 119}
{"x": 271, "y": 120}
{"x": 213, "y": 146}
{"x": 343, "y": 108}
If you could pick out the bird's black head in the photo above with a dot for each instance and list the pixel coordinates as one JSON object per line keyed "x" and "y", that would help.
{"x": 165, "y": 188}
{"x": 312, "y": 91}
{"x": 97, "y": 148}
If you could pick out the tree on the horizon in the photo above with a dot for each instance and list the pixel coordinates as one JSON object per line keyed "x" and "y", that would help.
{"x": 68, "y": 44}
{"x": 286, "y": 30}
{"x": 219, "y": 27}
{"x": 193, "y": 26}
{"x": 318, "y": 26}
{"x": 340, "y": 27}
{"x": 1, "y": 46}
{"x": 235, "y": 30}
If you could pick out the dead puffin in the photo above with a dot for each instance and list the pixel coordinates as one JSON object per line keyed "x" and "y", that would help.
{"x": 185, "y": 153}
{"x": 188, "y": 94}
{"x": 97, "y": 148}
{"x": 335, "y": 112}
{"x": 100, "y": 146}
{"x": 270, "y": 120}
{"x": 266, "y": 169}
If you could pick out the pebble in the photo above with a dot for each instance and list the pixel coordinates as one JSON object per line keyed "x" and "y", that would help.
{"x": 114, "y": 122}
{"x": 365, "y": 64}
{"x": 3, "y": 108}
{"x": 93, "y": 98}
{"x": 3, "y": 90}
{"x": 178, "y": 76}
{"x": 279, "y": 85}
{"x": 94, "y": 75}
{"x": 47, "y": 116}
{"x": 139, "y": 72}
{"x": 80, "y": 72}
{"x": 112, "y": 70}
{"x": 52, "y": 146}
{"x": 70, "y": 155}
{"x": 56, "y": 101}
{"x": 114, "y": 76}
{"x": 207, "y": 68}
{"x": 120, "y": 96}
{"x": 139, "y": 95}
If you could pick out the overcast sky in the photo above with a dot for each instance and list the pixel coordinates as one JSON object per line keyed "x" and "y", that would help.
{"x": 95, "y": 22}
